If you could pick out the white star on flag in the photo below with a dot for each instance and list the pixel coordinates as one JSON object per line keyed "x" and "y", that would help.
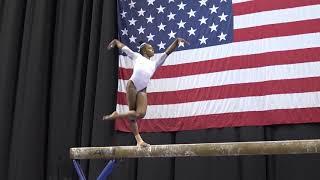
{"x": 141, "y": 30}
{"x": 123, "y": 14}
{"x": 150, "y": 19}
{"x": 222, "y": 36}
{"x": 161, "y": 45}
{"x": 124, "y": 31}
{"x": 213, "y": 9}
{"x": 132, "y": 22}
{"x": 203, "y": 40}
{"x": 160, "y": 9}
{"x": 192, "y": 31}
{"x": 223, "y": 17}
{"x": 141, "y": 12}
{"x": 150, "y": 2}
{"x": 203, "y": 20}
{"x": 132, "y": 39}
{"x": 171, "y": 16}
{"x": 181, "y": 44}
{"x": 150, "y": 37}
{"x": 213, "y": 27}
{"x": 203, "y": 3}
{"x": 181, "y": 6}
{"x": 131, "y": 4}
{"x": 191, "y": 13}
{"x": 181, "y": 24}
{"x": 172, "y": 34}
{"x": 161, "y": 27}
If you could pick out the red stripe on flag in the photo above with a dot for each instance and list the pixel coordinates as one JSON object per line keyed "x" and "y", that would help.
{"x": 268, "y": 5}
{"x": 276, "y": 30}
{"x": 261, "y": 118}
{"x": 231, "y": 91}
{"x": 232, "y": 63}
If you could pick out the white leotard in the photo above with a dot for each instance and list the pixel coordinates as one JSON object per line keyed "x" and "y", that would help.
{"x": 143, "y": 68}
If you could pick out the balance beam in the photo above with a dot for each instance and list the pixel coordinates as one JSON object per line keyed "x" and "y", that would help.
{"x": 204, "y": 149}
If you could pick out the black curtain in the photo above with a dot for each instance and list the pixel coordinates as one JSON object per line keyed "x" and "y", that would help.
{"x": 57, "y": 80}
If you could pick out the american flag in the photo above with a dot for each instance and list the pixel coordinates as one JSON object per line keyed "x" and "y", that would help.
{"x": 249, "y": 62}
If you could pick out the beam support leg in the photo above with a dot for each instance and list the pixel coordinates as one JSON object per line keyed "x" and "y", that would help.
{"x": 79, "y": 170}
{"x": 107, "y": 170}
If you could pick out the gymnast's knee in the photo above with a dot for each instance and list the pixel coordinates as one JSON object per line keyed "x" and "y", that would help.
{"x": 141, "y": 115}
{"x": 137, "y": 115}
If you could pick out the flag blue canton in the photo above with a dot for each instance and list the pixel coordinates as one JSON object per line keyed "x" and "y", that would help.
{"x": 201, "y": 22}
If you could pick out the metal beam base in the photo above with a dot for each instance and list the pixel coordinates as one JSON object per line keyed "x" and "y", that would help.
{"x": 103, "y": 175}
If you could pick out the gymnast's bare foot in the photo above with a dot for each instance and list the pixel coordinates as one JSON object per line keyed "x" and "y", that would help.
{"x": 143, "y": 144}
{"x": 111, "y": 116}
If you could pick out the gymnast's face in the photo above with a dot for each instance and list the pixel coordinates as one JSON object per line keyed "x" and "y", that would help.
{"x": 148, "y": 50}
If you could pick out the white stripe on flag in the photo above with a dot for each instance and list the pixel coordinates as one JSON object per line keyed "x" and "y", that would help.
{"x": 277, "y": 16}
{"x": 284, "y": 43}
{"x": 250, "y": 75}
{"x": 243, "y": 104}
{"x": 239, "y": 1}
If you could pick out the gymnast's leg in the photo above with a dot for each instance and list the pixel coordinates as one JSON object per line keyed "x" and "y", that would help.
{"x": 132, "y": 98}
{"x": 141, "y": 108}
{"x": 137, "y": 102}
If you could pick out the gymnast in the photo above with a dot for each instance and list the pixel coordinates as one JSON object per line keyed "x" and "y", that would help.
{"x": 136, "y": 93}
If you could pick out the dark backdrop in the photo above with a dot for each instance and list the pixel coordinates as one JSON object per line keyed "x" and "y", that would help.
{"x": 57, "y": 80}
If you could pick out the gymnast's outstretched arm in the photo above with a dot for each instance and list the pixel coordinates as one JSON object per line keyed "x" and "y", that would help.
{"x": 123, "y": 47}
{"x": 174, "y": 45}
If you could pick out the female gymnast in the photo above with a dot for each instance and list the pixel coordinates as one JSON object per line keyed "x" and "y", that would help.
{"x": 143, "y": 70}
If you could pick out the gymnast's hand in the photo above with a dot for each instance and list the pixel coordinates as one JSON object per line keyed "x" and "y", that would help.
{"x": 175, "y": 44}
{"x": 112, "y": 44}
{"x": 115, "y": 43}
